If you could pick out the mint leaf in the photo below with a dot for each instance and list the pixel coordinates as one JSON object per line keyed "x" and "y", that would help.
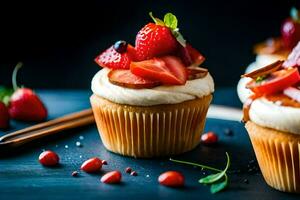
{"x": 212, "y": 178}
{"x": 217, "y": 187}
{"x": 156, "y": 20}
{"x": 170, "y": 21}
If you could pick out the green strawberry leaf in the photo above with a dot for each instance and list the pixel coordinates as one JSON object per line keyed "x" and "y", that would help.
{"x": 5, "y": 94}
{"x": 156, "y": 20}
{"x": 215, "y": 177}
{"x": 170, "y": 21}
{"x": 211, "y": 178}
{"x": 179, "y": 37}
{"x": 217, "y": 187}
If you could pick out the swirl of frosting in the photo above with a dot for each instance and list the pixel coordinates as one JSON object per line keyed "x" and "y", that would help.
{"x": 193, "y": 89}
{"x": 272, "y": 115}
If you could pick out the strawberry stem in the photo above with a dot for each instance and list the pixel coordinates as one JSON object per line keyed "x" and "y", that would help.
{"x": 14, "y": 75}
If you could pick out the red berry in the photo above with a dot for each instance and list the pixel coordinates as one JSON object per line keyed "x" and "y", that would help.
{"x": 104, "y": 162}
{"x": 133, "y": 173}
{"x": 290, "y": 29}
{"x": 128, "y": 170}
{"x": 25, "y": 105}
{"x": 154, "y": 40}
{"x": 91, "y": 165}
{"x": 111, "y": 177}
{"x": 171, "y": 179}
{"x": 124, "y": 78}
{"x": 209, "y": 138}
{"x": 4, "y": 116}
{"x": 75, "y": 173}
{"x": 112, "y": 59}
{"x": 48, "y": 158}
{"x": 168, "y": 70}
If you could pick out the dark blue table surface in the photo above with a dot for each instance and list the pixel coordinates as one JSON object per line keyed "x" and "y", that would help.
{"x": 22, "y": 177}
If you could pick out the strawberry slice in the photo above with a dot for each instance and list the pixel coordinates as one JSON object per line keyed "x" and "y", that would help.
{"x": 195, "y": 73}
{"x": 110, "y": 58}
{"x": 125, "y": 78}
{"x": 167, "y": 69}
{"x": 190, "y": 55}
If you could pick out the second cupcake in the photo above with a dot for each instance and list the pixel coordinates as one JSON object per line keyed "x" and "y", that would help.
{"x": 152, "y": 99}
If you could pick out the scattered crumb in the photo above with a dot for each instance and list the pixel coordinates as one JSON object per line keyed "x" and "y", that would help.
{"x": 78, "y": 144}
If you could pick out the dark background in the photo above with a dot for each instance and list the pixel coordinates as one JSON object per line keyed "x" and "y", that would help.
{"x": 58, "y": 40}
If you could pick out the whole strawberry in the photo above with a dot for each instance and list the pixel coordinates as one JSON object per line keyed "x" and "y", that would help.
{"x": 4, "y": 116}
{"x": 159, "y": 38}
{"x": 290, "y": 29}
{"x": 24, "y": 104}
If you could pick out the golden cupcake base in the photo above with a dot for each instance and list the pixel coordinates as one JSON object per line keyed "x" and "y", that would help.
{"x": 150, "y": 131}
{"x": 278, "y": 155}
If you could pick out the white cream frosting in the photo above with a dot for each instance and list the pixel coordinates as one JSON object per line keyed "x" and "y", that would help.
{"x": 261, "y": 61}
{"x": 193, "y": 89}
{"x": 272, "y": 115}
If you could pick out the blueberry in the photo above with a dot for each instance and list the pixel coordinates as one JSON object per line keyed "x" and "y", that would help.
{"x": 120, "y": 46}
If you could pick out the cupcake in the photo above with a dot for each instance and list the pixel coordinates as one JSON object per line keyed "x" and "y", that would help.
{"x": 272, "y": 116}
{"x": 151, "y": 100}
{"x": 272, "y": 49}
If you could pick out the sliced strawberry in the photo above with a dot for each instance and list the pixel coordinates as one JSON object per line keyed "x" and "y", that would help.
{"x": 195, "y": 73}
{"x": 168, "y": 70}
{"x": 125, "y": 78}
{"x": 190, "y": 56}
{"x": 294, "y": 58}
{"x": 110, "y": 58}
{"x": 154, "y": 40}
{"x": 293, "y": 93}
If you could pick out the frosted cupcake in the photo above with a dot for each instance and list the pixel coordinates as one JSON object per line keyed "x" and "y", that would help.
{"x": 273, "y": 49}
{"x": 272, "y": 116}
{"x": 151, "y": 100}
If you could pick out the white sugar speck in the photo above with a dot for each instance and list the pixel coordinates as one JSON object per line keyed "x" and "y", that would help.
{"x": 81, "y": 137}
{"x": 78, "y": 144}
{"x": 80, "y": 156}
{"x": 147, "y": 175}
{"x": 66, "y": 146}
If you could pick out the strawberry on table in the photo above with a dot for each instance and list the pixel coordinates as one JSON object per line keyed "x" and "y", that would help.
{"x": 118, "y": 56}
{"x": 25, "y": 104}
{"x": 159, "y": 38}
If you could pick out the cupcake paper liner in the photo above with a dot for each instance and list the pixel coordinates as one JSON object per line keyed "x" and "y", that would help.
{"x": 150, "y": 131}
{"x": 278, "y": 155}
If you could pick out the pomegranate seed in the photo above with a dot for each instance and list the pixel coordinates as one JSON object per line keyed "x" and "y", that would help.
{"x": 209, "y": 138}
{"x": 48, "y": 158}
{"x": 112, "y": 177}
{"x": 104, "y": 162}
{"x": 75, "y": 173}
{"x": 91, "y": 165}
{"x": 171, "y": 179}
{"x": 128, "y": 170}
{"x": 133, "y": 173}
